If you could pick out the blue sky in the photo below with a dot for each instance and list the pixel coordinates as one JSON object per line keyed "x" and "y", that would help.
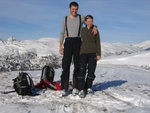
{"x": 126, "y": 21}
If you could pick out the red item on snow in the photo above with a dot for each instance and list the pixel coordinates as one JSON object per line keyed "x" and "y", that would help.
{"x": 51, "y": 85}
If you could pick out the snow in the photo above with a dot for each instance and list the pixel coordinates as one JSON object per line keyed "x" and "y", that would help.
{"x": 42, "y": 47}
{"x": 121, "y": 84}
{"x": 145, "y": 45}
{"x": 138, "y": 59}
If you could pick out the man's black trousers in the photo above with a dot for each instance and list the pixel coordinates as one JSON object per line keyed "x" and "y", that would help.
{"x": 71, "y": 49}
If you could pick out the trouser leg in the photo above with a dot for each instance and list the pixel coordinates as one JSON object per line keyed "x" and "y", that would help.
{"x": 76, "y": 52}
{"x": 66, "y": 61}
{"x": 82, "y": 72}
{"x": 92, "y": 62}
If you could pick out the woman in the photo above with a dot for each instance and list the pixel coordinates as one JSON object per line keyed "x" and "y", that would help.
{"x": 90, "y": 53}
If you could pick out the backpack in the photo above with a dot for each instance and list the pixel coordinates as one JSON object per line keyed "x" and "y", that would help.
{"x": 23, "y": 84}
{"x": 48, "y": 73}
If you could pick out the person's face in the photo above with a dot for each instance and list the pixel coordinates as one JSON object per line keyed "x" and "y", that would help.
{"x": 73, "y": 10}
{"x": 89, "y": 22}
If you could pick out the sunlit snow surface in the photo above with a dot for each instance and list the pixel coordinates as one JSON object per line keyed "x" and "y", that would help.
{"x": 122, "y": 85}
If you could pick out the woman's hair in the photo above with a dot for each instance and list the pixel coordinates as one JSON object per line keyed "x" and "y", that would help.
{"x": 73, "y": 4}
{"x": 89, "y": 16}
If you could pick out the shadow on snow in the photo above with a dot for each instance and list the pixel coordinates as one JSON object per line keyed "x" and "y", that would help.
{"x": 106, "y": 85}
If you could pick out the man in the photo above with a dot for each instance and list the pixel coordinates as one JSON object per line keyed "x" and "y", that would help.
{"x": 71, "y": 28}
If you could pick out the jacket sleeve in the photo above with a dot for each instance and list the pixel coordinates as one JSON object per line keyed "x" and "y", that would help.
{"x": 98, "y": 44}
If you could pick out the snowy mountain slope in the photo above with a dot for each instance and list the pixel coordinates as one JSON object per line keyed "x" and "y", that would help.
{"x": 33, "y": 54}
{"x": 46, "y": 46}
{"x": 144, "y": 45}
{"x": 118, "y": 49}
{"x": 137, "y": 59}
{"x": 28, "y": 54}
{"x": 122, "y": 87}
{"x": 41, "y": 47}
{"x": 123, "y": 49}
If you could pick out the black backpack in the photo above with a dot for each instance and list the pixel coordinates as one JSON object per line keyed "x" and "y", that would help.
{"x": 23, "y": 84}
{"x": 48, "y": 73}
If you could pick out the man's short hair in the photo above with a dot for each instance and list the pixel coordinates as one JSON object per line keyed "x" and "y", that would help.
{"x": 73, "y": 4}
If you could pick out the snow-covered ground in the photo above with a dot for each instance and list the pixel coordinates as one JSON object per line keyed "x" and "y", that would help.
{"x": 122, "y": 85}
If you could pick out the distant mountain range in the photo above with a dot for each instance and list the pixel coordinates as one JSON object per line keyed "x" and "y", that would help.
{"x": 49, "y": 46}
{"x": 33, "y": 54}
